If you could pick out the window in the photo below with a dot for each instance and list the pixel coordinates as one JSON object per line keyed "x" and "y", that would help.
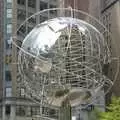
{"x": 73, "y": 117}
{"x": 21, "y": 2}
{"x": 8, "y": 92}
{"x": 30, "y": 14}
{"x": 9, "y": 6}
{"x": 53, "y": 12}
{"x": 22, "y": 92}
{"x": 9, "y": 42}
{"x": 8, "y": 59}
{"x": 43, "y": 18}
{"x": 29, "y": 109}
{"x": 35, "y": 110}
{"x": 9, "y": 13}
{"x": 7, "y": 45}
{"x": 9, "y": 28}
{"x": 0, "y": 111}
{"x": 29, "y": 29}
{"x": 32, "y": 20}
{"x": 9, "y": 21}
{"x": 7, "y": 109}
{"x": 32, "y": 3}
{"x": 52, "y": 6}
{"x": 20, "y": 110}
{"x": 8, "y": 75}
{"x": 43, "y": 5}
{"x": 9, "y": 1}
{"x": 22, "y": 29}
{"x": 21, "y": 14}
{"x": 52, "y": 113}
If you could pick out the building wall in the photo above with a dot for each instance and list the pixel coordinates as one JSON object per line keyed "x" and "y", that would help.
{"x": 115, "y": 30}
{"x": 1, "y": 47}
{"x": 95, "y": 8}
{"x": 1, "y": 54}
{"x": 111, "y": 18}
{"x": 14, "y": 51}
{"x": 77, "y": 4}
{"x": 14, "y": 14}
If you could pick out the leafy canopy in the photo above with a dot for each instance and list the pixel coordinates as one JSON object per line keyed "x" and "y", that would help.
{"x": 113, "y": 112}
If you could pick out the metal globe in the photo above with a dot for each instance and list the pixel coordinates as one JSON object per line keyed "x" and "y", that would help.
{"x": 62, "y": 57}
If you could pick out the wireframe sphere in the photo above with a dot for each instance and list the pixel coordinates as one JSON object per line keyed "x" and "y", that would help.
{"x": 63, "y": 58}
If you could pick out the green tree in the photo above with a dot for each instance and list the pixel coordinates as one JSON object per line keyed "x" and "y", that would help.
{"x": 113, "y": 110}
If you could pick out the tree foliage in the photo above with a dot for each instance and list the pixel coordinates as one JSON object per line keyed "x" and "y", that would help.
{"x": 113, "y": 110}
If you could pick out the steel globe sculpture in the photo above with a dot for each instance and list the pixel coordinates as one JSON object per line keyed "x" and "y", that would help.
{"x": 62, "y": 59}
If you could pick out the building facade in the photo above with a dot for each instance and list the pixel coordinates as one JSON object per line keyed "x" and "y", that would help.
{"x": 95, "y": 8}
{"x": 1, "y": 54}
{"x": 110, "y": 13}
{"x": 14, "y": 105}
{"x": 77, "y": 4}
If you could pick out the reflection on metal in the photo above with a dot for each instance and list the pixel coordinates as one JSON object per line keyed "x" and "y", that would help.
{"x": 62, "y": 58}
